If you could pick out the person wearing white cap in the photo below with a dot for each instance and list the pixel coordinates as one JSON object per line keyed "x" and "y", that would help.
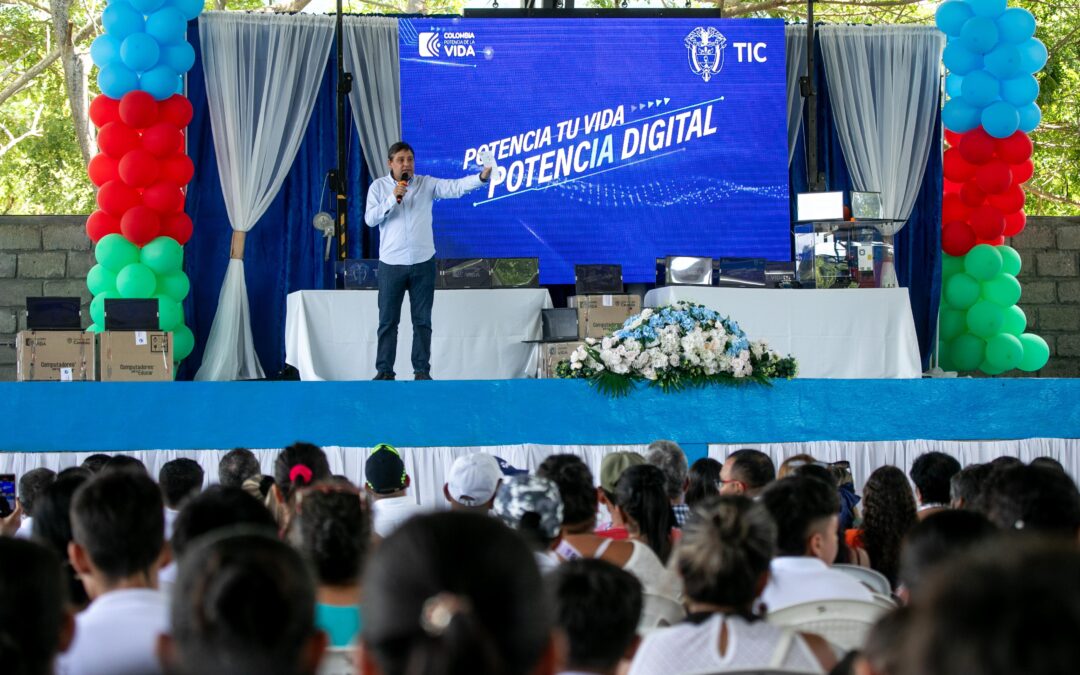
{"x": 473, "y": 482}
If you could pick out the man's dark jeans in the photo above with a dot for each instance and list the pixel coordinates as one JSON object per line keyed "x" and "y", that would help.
{"x": 419, "y": 281}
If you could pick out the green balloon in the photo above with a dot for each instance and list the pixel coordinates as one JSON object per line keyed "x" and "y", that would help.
{"x": 136, "y": 281}
{"x": 1010, "y": 260}
{"x": 951, "y": 265}
{"x": 175, "y": 285}
{"x": 1036, "y": 352}
{"x": 1003, "y": 290}
{"x": 100, "y": 279}
{"x": 115, "y": 253}
{"x": 163, "y": 255}
{"x": 1015, "y": 321}
{"x": 1004, "y": 351}
{"x": 97, "y": 306}
{"x": 967, "y": 351}
{"x": 983, "y": 262}
{"x": 990, "y": 369}
{"x": 945, "y": 361}
{"x": 985, "y": 319}
{"x": 952, "y": 322}
{"x": 183, "y": 342}
{"x": 962, "y": 291}
{"x": 170, "y": 313}
{"x": 94, "y": 328}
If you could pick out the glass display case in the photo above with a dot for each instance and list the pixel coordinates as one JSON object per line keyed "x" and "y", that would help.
{"x": 842, "y": 254}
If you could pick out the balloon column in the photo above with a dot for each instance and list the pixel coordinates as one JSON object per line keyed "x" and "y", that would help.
{"x": 992, "y": 57}
{"x": 140, "y": 226}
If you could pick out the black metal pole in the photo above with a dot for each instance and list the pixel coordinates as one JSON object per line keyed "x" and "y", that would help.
{"x": 339, "y": 176}
{"x": 815, "y": 180}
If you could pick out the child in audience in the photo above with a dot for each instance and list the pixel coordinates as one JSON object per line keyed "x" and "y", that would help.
{"x": 298, "y": 465}
{"x": 935, "y": 540}
{"x": 35, "y": 621}
{"x": 1032, "y": 499}
{"x": 532, "y": 506}
{"x": 52, "y": 527}
{"x": 179, "y": 479}
{"x": 888, "y": 515}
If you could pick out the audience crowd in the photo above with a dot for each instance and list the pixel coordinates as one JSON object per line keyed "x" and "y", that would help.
{"x": 652, "y": 566}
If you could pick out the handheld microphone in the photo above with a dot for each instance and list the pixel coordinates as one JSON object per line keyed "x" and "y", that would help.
{"x": 404, "y": 181}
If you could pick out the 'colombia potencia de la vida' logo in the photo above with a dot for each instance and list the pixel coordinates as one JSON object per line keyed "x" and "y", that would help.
{"x": 428, "y": 44}
{"x": 705, "y": 51}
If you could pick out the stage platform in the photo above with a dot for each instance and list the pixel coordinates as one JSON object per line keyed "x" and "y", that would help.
{"x": 82, "y": 417}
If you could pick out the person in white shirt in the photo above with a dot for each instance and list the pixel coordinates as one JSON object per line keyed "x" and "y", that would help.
{"x": 532, "y": 505}
{"x": 31, "y": 484}
{"x": 117, "y": 549}
{"x": 807, "y": 515}
{"x": 400, "y": 206}
{"x": 388, "y": 484}
{"x": 179, "y": 479}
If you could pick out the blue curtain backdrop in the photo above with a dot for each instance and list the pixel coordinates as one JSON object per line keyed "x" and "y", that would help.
{"x": 284, "y": 253}
{"x": 918, "y": 245}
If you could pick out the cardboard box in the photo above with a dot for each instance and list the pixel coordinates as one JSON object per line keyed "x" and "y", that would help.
{"x": 551, "y": 353}
{"x": 136, "y": 356}
{"x": 55, "y": 355}
{"x": 599, "y": 315}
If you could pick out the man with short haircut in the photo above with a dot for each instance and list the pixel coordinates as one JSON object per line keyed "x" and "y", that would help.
{"x": 179, "y": 479}
{"x": 931, "y": 474}
{"x": 118, "y": 546}
{"x": 31, "y": 485}
{"x": 95, "y": 462}
{"x": 807, "y": 513}
{"x": 472, "y": 482}
{"x": 670, "y": 458}
{"x": 746, "y": 472}
{"x": 966, "y": 486}
{"x": 237, "y": 466}
{"x": 598, "y": 606}
{"x": 388, "y": 484}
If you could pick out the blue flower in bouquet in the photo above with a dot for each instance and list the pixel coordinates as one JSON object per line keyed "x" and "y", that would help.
{"x": 737, "y": 345}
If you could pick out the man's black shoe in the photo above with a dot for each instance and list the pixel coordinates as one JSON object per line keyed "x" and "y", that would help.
{"x": 384, "y": 376}
{"x": 421, "y": 376}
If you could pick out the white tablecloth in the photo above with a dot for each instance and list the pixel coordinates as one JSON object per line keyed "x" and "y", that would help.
{"x": 833, "y": 333}
{"x": 476, "y": 334}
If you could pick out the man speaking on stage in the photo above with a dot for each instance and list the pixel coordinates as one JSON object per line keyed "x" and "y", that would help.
{"x": 400, "y": 206}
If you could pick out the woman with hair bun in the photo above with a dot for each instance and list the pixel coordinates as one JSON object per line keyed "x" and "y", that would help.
{"x": 644, "y": 506}
{"x": 723, "y": 559}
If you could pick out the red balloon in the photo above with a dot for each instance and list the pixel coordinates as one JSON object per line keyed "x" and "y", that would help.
{"x": 957, "y": 238}
{"x": 971, "y": 194}
{"x": 176, "y": 110}
{"x": 953, "y": 138}
{"x": 102, "y": 169}
{"x": 987, "y": 222}
{"x": 1014, "y": 223}
{"x": 138, "y": 109}
{"x": 994, "y": 177}
{"x": 116, "y": 139}
{"x": 953, "y": 208}
{"x": 1014, "y": 149}
{"x": 115, "y": 198}
{"x": 1010, "y": 201}
{"x": 177, "y": 169}
{"x": 100, "y": 224}
{"x": 139, "y": 168}
{"x": 140, "y": 225}
{"x": 1022, "y": 172}
{"x": 104, "y": 110}
{"x": 163, "y": 139}
{"x": 163, "y": 197}
{"x": 956, "y": 168}
{"x": 977, "y": 146}
{"x": 996, "y": 241}
{"x": 178, "y": 226}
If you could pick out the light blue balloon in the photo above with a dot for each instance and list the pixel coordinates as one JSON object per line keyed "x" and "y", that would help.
{"x": 1016, "y": 25}
{"x": 979, "y": 35}
{"x": 121, "y": 19}
{"x": 147, "y": 6}
{"x": 980, "y": 89}
{"x": 959, "y": 117}
{"x": 105, "y": 51}
{"x": 1020, "y": 91}
{"x": 951, "y": 17}
{"x": 180, "y": 57}
{"x": 988, "y": 8}
{"x": 953, "y": 82}
{"x": 117, "y": 80}
{"x": 167, "y": 25}
{"x": 140, "y": 52}
{"x": 1030, "y": 117}
{"x": 959, "y": 59}
{"x": 159, "y": 82}
{"x": 1003, "y": 62}
{"x": 1000, "y": 120}
{"x": 189, "y": 8}
{"x": 1032, "y": 55}
{"x": 180, "y": 86}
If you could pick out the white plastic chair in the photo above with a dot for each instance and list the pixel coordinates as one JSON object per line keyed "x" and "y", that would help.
{"x": 874, "y": 580}
{"x": 339, "y": 661}
{"x": 659, "y": 611}
{"x": 886, "y": 602}
{"x": 844, "y": 623}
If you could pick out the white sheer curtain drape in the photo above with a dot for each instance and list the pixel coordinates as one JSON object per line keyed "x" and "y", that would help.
{"x": 262, "y": 77}
{"x": 795, "y": 49}
{"x": 883, "y": 85}
{"x": 371, "y": 54}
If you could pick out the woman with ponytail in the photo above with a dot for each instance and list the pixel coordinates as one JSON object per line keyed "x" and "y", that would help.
{"x": 723, "y": 559}
{"x": 455, "y": 592}
{"x": 297, "y": 466}
{"x": 644, "y": 506}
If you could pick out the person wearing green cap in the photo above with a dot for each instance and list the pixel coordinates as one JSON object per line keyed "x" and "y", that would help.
{"x": 388, "y": 483}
